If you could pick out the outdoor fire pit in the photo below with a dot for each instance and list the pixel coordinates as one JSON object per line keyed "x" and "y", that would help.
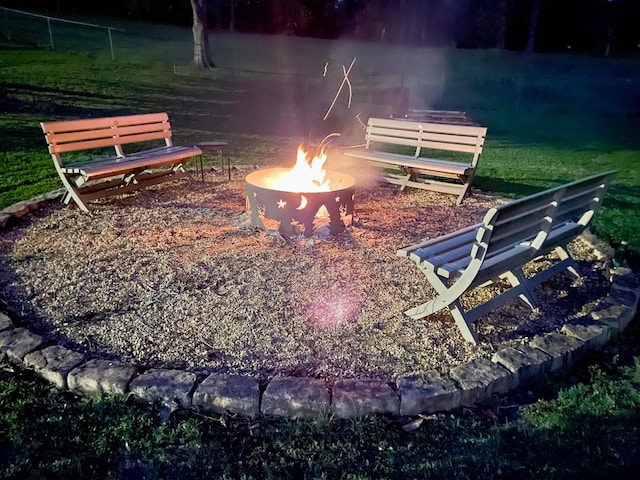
{"x": 298, "y": 198}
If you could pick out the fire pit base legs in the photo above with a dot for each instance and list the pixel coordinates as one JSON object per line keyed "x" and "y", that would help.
{"x": 292, "y": 220}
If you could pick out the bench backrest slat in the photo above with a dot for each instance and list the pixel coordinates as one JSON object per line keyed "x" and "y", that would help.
{"x": 576, "y": 208}
{"x": 106, "y": 142}
{"x": 531, "y": 218}
{"x": 452, "y": 147}
{"x": 447, "y": 251}
{"x": 425, "y": 135}
{"x": 472, "y": 131}
{"x": 75, "y": 135}
{"x": 104, "y": 122}
{"x": 583, "y": 199}
{"x": 525, "y": 220}
{"x": 393, "y": 139}
{"x": 120, "y": 131}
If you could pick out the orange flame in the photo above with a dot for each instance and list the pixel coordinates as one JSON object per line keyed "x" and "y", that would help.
{"x": 304, "y": 176}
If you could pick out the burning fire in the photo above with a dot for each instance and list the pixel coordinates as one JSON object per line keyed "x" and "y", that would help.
{"x": 295, "y": 197}
{"x": 304, "y": 176}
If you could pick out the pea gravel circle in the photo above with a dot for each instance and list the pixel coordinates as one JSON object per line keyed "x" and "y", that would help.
{"x": 176, "y": 277}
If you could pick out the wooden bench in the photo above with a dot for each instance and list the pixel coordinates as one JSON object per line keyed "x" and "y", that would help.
{"x": 102, "y": 171}
{"x": 414, "y": 169}
{"x": 438, "y": 116}
{"x": 508, "y": 237}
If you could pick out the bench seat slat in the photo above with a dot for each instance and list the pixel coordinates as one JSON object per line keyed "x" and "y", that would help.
{"x": 119, "y": 165}
{"x": 453, "y": 267}
{"x": 503, "y": 261}
{"x": 420, "y": 163}
{"x": 426, "y": 253}
{"x": 434, "y": 260}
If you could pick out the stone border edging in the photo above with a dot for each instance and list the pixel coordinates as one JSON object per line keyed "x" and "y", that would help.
{"x": 300, "y": 397}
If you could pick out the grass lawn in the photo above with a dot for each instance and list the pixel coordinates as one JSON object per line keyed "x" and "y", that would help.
{"x": 550, "y": 119}
{"x": 582, "y": 426}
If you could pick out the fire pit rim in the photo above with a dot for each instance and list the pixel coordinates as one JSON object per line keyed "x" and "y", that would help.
{"x": 256, "y": 178}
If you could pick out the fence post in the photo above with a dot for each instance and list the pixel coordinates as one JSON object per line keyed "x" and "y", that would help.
{"x": 50, "y": 33}
{"x": 111, "y": 45}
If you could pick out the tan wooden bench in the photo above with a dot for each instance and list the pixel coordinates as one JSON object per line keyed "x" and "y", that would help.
{"x": 509, "y": 237}
{"x": 105, "y": 168}
{"x": 415, "y": 168}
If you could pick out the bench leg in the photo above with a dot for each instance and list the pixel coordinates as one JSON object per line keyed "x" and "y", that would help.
{"x": 519, "y": 281}
{"x": 457, "y": 312}
{"x": 520, "y": 288}
{"x": 403, "y": 180}
{"x": 72, "y": 193}
{"x": 129, "y": 179}
{"x": 466, "y": 188}
{"x": 463, "y": 322}
{"x": 565, "y": 263}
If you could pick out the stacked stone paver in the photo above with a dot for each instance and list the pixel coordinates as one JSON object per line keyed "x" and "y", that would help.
{"x": 228, "y": 394}
{"x": 54, "y": 364}
{"x": 295, "y": 397}
{"x": 355, "y": 398}
{"x": 525, "y": 362}
{"x": 427, "y": 392}
{"x": 101, "y": 376}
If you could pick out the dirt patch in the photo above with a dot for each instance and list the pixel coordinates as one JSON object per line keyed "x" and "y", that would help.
{"x": 177, "y": 277}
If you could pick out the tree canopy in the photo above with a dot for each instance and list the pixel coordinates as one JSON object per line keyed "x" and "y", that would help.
{"x": 591, "y": 26}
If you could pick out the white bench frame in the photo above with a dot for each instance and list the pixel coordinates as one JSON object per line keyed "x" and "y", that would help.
{"x": 93, "y": 178}
{"x": 414, "y": 170}
{"x": 509, "y": 237}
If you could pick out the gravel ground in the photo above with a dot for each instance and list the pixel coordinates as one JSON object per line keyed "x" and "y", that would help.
{"x": 177, "y": 277}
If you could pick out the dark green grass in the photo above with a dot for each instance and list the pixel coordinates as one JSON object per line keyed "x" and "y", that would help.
{"x": 551, "y": 119}
{"x": 589, "y": 430}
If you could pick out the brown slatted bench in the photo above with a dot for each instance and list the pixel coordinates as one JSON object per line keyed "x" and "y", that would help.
{"x": 99, "y": 174}
{"x": 415, "y": 169}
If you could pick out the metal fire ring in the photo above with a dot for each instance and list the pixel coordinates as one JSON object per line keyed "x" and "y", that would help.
{"x": 299, "y": 208}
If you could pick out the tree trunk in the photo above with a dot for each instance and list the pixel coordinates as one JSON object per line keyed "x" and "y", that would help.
{"x": 533, "y": 26}
{"x": 611, "y": 21}
{"x": 201, "y": 56}
{"x": 232, "y": 17}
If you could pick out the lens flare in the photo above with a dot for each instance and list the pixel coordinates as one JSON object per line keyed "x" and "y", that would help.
{"x": 333, "y": 308}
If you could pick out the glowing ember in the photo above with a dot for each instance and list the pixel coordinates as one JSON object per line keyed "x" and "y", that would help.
{"x": 304, "y": 176}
